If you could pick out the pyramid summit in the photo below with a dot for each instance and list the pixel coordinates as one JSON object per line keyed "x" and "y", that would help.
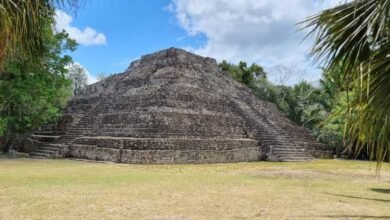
{"x": 172, "y": 106}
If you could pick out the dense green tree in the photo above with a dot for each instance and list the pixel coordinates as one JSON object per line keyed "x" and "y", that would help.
{"x": 233, "y": 70}
{"x": 32, "y": 93}
{"x": 246, "y": 75}
{"x": 330, "y": 130}
{"x": 355, "y": 37}
{"x": 243, "y": 73}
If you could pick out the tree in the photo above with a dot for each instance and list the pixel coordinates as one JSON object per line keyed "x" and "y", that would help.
{"x": 32, "y": 93}
{"x": 78, "y": 76}
{"x": 257, "y": 71}
{"x": 233, "y": 70}
{"x": 22, "y": 27}
{"x": 244, "y": 74}
{"x": 355, "y": 38}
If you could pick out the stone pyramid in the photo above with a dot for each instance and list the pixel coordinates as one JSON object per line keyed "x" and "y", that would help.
{"x": 172, "y": 106}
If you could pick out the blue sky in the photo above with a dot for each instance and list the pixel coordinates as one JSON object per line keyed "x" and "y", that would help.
{"x": 113, "y": 33}
{"x": 131, "y": 28}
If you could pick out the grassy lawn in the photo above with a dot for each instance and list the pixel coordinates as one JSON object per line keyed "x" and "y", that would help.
{"x": 66, "y": 189}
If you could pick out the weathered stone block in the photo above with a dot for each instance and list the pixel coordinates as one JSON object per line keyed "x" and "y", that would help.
{"x": 177, "y": 107}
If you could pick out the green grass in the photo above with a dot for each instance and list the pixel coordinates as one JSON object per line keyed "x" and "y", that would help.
{"x": 66, "y": 189}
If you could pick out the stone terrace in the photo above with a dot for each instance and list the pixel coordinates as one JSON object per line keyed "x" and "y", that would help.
{"x": 173, "y": 107}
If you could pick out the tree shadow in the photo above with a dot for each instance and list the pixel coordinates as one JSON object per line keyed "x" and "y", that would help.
{"x": 379, "y": 190}
{"x": 358, "y": 197}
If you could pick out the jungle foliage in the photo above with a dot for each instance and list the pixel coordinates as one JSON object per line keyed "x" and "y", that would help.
{"x": 32, "y": 93}
{"x": 354, "y": 38}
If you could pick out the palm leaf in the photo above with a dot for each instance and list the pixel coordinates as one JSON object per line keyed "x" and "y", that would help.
{"x": 21, "y": 26}
{"x": 355, "y": 37}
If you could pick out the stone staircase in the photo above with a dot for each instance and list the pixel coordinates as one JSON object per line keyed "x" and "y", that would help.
{"x": 81, "y": 128}
{"x": 277, "y": 144}
{"x": 46, "y": 146}
{"x": 51, "y": 145}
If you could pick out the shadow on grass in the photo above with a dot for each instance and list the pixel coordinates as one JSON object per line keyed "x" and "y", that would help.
{"x": 379, "y": 190}
{"x": 358, "y": 197}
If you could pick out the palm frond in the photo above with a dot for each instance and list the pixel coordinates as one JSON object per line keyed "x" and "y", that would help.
{"x": 21, "y": 26}
{"x": 355, "y": 35}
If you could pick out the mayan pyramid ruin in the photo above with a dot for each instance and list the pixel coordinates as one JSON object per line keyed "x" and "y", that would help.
{"x": 172, "y": 106}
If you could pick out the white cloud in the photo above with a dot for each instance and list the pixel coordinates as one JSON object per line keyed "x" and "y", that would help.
{"x": 91, "y": 78}
{"x": 88, "y": 36}
{"x": 261, "y": 31}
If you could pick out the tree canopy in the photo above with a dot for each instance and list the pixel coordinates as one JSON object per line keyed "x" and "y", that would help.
{"x": 32, "y": 93}
{"x": 354, "y": 38}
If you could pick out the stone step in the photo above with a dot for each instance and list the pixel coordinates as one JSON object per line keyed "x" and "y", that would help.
{"x": 291, "y": 155}
{"x": 70, "y": 136}
{"x": 285, "y": 137}
{"x": 284, "y": 144}
{"x": 44, "y": 133}
{"x": 175, "y": 136}
{"x": 288, "y": 150}
{"x": 68, "y": 139}
{"x": 56, "y": 145}
{"x": 295, "y": 159}
{"x": 285, "y": 141}
{"x": 75, "y": 134}
{"x": 45, "y": 151}
{"x": 268, "y": 133}
{"x": 47, "y": 148}
{"x": 279, "y": 137}
{"x": 44, "y": 155}
{"x": 78, "y": 130}
{"x": 294, "y": 156}
{"x": 38, "y": 157}
{"x": 44, "y": 138}
{"x": 286, "y": 147}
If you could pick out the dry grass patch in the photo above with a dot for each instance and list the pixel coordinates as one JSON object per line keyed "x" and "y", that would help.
{"x": 65, "y": 189}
